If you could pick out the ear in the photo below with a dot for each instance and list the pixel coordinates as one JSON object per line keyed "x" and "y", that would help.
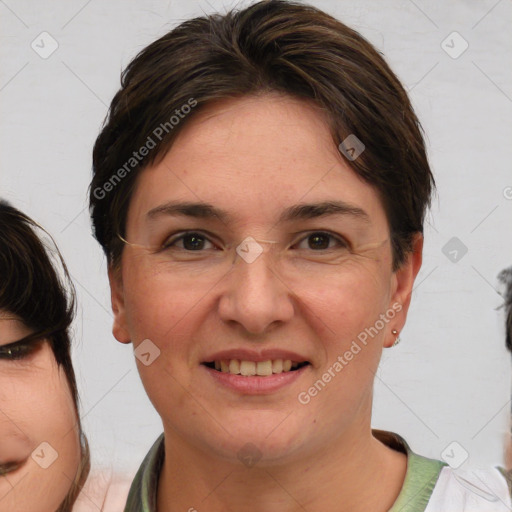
{"x": 119, "y": 329}
{"x": 402, "y": 288}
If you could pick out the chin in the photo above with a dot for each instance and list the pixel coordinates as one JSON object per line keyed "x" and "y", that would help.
{"x": 270, "y": 441}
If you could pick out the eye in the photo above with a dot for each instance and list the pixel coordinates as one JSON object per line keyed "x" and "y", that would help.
{"x": 190, "y": 240}
{"x": 320, "y": 240}
{"x": 17, "y": 350}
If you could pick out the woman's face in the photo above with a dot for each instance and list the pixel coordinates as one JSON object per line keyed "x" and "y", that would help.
{"x": 39, "y": 444}
{"x": 323, "y": 297}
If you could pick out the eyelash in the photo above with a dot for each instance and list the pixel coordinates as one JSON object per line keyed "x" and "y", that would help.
{"x": 171, "y": 241}
{"x": 17, "y": 351}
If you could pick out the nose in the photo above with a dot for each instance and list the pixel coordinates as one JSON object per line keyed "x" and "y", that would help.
{"x": 255, "y": 296}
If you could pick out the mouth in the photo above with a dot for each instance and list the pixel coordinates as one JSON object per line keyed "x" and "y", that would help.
{"x": 247, "y": 368}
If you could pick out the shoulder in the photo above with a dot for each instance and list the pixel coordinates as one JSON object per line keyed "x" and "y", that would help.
{"x": 470, "y": 490}
{"x": 431, "y": 485}
{"x": 103, "y": 491}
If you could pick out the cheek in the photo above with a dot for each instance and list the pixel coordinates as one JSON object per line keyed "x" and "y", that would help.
{"x": 347, "y": 303}
{"x": 42, "y": 430}
{"x": 160, "y": 309}
{"x": 38, "y": 402}
{"x": 157, "y": 303}
{"x": 345, "y": 316}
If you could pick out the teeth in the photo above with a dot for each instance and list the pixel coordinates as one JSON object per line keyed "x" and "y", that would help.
{"x": 247, "y": 368}
{"x": 264, "y": 368}
{"x": 234, "y": 366}
{"x": 277, "y": 366}
{"x": 261, "y": 368}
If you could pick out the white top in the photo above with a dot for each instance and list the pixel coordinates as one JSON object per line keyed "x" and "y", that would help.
{"x": 470, "y": 490}
{"x": 103, "y": 492}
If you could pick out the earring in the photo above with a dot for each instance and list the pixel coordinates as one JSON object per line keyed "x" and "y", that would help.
{"x": 394, "y": 332}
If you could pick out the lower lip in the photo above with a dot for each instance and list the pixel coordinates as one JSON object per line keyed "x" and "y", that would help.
{"x": 255, "y": 385}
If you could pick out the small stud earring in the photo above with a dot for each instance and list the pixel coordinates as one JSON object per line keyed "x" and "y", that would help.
{"x": 394, "y": 332}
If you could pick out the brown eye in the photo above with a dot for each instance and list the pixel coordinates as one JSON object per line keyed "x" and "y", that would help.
{"x": 193, "y": 242}
{"x": 190, "y": 241}
{"x": 320, "y": 240}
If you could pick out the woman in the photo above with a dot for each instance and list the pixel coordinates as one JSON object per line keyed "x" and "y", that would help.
{"x": 259, "y": 190}
{"x": 44, "y": 458}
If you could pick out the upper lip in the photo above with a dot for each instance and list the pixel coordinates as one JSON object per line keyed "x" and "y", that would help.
{"x": 256, "y": 356}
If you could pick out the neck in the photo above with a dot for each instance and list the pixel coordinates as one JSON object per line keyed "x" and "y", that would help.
{"x": 355, "y": 473}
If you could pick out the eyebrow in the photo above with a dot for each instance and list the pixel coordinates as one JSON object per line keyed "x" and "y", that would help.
{"x": 302, "y": 211}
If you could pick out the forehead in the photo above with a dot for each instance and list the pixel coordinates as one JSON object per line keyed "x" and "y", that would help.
{"x": 258, "y": 137}
{"x": 255, "y": 156}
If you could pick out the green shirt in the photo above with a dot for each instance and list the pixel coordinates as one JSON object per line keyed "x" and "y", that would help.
{"x": 420, "y": 478}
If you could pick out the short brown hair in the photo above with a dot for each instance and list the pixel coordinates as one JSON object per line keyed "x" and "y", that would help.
{"x": 270, "y": 46}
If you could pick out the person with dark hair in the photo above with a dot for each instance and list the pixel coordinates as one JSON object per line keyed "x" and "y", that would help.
{"x": 235, "y": 145}
{"x": 44, "y": 456}
{"x": 505, "y": 278}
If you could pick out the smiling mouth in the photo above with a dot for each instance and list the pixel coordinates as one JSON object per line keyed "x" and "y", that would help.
{"x": 258, "y": 369}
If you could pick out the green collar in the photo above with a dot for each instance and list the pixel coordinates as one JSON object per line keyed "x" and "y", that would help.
{"x": 143, "y": 491}
{"x": 420, "y": 478}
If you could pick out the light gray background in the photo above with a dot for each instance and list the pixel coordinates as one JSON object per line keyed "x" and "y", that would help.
{"x": 449, "y": 378}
